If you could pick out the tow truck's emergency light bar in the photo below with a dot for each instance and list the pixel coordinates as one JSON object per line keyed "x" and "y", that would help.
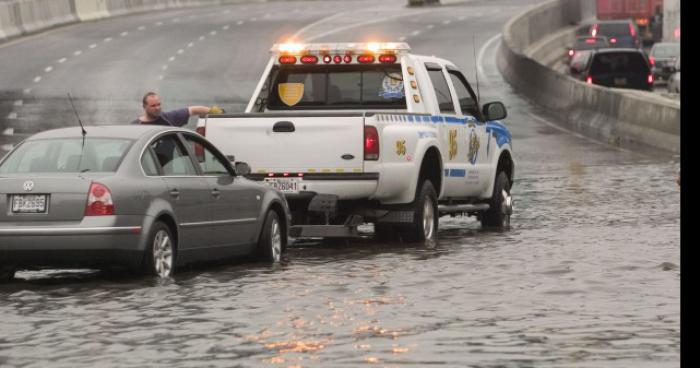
{"x": 337, "y": 53}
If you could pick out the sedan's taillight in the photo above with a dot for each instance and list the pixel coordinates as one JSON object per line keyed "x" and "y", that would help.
{"x": 650, "y": 79}
{"x": 589, "y": 80}
{"x": 99, "y": 201}
{"x": 371, "y": 143}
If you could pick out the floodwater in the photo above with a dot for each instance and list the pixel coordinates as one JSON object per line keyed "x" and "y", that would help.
{"x": 588, "y": 276}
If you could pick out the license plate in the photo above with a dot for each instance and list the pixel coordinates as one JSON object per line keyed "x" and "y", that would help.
{"x": 284, "y": 185}
{"x": 29, "y": 203}
{"x": 620, "y": 81}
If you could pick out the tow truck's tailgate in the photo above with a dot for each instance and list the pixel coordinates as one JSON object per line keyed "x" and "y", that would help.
{"x": 306, "y": 144}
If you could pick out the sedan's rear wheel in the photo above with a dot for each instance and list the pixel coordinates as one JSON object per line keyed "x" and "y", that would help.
{"x": 160, "y": 260}
{"x": 270, "y": 243}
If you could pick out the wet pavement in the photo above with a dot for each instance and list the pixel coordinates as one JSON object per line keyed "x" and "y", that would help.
{"x": 587, "y": 276}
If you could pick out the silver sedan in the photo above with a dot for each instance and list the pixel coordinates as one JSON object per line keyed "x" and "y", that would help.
{"x": 148, "y": 197}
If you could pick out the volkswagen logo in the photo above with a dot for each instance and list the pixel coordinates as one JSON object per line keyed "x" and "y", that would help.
{"x": 28, "y": 185}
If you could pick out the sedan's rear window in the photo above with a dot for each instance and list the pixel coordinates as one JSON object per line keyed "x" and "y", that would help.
{"x": 619, "y": 62}
{"x": 66, "y": 155}
{"x": 336, "y": 87}
{"x": 590, "y": 43}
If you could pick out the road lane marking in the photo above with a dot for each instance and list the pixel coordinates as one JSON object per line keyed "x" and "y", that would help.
{"x": 37, "y": 79}
{"x": 160, "y": 77}
{"x": 92, "y": 46}
{"x": 402, "y": 38}
{"x": 123, "y": 34}
{"x": 190, "y": 44}
{"x": 480, "y": 57}
{"x": 19, "y": 103}
{"x": 430, "y": 26}
{"x": 240, "y": 22}
{"x": 213, "y": 33}
{"x": 165, "y": 67}
{"x": 141, "y": 28}
{"x": 314, "y": 24}
{"x": 172, "y": 58}
{"x": 225, "y": 28}
{"x": 108, "y": 39}
{"x": 48, "y": 69}
{"x": 27, "y": 91}
{"x": 446, "y": 22}
{"x": 462, "y": 18}
{"x": 360, "y": 24}
{"x": 201, "y": 38}
{"x": 62, "y": 60}
{"x": 12, "y": 116}
{"x": 180, "y": 51}
{"x": 159, "y": 24}
{"x": 415, "y": 33}
{"x": 77, "y": 53}
{"x": 253, "y": 19}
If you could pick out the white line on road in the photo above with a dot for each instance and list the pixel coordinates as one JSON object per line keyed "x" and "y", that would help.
{"x": 165, "y": 67}
{"x": 12, "y": 116}
{"x": 77, "y": 53}
{"x": 253, "y": 19}
{"x": 9, "y": 131}
{"x": 225, "y": 28}
{"x": 93, "y": 46}
{"x": 180, "y": 51}
{"x": 27, "y": 91}
{"x": 37, "y": 79}
{"x": 415, "y": 33}
{"x": 430, "y": 26}
{"x": 141, "y": 28}
{"x": 159, "y": 24}
{"x": 213, "y": 33}
{"x": 176, "y": 20}
{"x": 108, "y": 39}
{"x": 201, "y": 38}
{"x": 48, "y": 69}
{"x": 402, "y": 38}
{"x": 360, "y": 24}
{"x": 19, "y": 103}
{"x": 190, "y": 44}
{"x": 160, "y": 77}
{"x": 446, "y": 22}
{"x": 62, "y": 60}
{"x": 172, "y": 58}
{"x": 240, "y": 22}
{"x": 314, "y": 24}
{"x": 123, "y": 34}
{"x": 462, "y": 17}
{"x": 480, "y": 58}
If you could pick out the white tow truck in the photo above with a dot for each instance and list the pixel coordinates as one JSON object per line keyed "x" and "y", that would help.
{"x": 356, "y": 133}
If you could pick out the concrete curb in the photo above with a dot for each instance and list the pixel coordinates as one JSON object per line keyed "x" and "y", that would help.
{"x": 620, "y": 117}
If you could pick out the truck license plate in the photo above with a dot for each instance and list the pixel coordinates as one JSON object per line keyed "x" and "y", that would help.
{"x": 29, "y": 203}
{"x": 284, "y": 185}
{"x": 620, "y": 81}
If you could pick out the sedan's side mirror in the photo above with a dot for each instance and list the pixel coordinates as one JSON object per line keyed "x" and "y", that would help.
{"x": 242, "y": 168}
{"x": 494, "y": 111}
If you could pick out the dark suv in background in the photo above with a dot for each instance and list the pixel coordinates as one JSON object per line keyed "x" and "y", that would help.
{"x": 620, "y": 33}
{"x": 619, "y": 68}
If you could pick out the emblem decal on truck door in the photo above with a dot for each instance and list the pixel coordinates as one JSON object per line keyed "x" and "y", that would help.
{"x": 453, "y": 143}
{"x": 401, "y": 147}
{"x": 290, "y": 93}
{"x": 473, "y": 146}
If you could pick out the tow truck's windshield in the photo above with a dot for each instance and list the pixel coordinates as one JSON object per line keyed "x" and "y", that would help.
{"x": 335, "y": 87}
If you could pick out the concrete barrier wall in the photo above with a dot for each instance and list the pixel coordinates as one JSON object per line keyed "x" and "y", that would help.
{"x": 21, "y": 17}
{"x": 622, "y": 117}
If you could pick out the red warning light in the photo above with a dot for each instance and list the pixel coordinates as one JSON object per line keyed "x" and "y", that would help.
{"x": 287, "y": 59}
{"x": 387, "y": 59}
{"x": 365, "y": 59}
{"x": 309, "y": 59}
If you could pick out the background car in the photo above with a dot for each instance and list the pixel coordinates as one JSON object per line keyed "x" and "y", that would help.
{"x": 674, "y": 82}
{"x": 662, "y": 56}
{"x": 619, "y": 68}
{"x": 586, "y": 43}
{"x": 149, "y": 197}
{"x": 620, "y": 33}
{"x": 577, "y": 65}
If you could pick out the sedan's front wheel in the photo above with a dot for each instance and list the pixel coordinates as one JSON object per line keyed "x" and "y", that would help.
{"x": 160, "y": 260}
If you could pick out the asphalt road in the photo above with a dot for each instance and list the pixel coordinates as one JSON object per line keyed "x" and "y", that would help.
{"x": 588, "y": 275}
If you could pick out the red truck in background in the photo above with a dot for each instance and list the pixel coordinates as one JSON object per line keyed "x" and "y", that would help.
{"x": 647, "y": 14}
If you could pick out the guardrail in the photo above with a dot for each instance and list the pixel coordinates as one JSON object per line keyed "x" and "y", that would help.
{"x": 22, "y": 17}
{"x": 621, "y": 117}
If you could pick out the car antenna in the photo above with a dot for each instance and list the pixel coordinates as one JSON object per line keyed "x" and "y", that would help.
{"x": 82, "y": 128}
{"x": 476, "y": 71}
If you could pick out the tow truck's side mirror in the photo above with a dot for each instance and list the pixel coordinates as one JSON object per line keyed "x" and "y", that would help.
{"x": 494, "y": 111}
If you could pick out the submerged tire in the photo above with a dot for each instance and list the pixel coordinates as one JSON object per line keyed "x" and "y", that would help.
{"x": 271, "y": 243}
{"x": 425, "y": 218}
{"x": 160, "y": 257}
{"x": 498, "y": 215}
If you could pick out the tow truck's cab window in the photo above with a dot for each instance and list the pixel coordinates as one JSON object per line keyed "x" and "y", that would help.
{"x": 335, "y": 87}
{"x": 467, "y": 102}
{"x": 442, "y": 91}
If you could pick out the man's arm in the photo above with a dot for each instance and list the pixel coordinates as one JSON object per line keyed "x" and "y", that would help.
{"x": 199, "y": 110}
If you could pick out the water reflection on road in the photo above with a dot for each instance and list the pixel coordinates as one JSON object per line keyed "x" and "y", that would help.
{"x": 588, "y": 275}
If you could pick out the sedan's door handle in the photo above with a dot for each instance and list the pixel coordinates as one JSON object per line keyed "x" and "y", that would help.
{"x": 215, "y": 193}
{"x": 174, "y": 193}
{"x": 283, "y": 127}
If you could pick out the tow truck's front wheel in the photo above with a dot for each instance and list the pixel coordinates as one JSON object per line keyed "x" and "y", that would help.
{"x": 501, "y": 205}
{"x": 425, "y": 215}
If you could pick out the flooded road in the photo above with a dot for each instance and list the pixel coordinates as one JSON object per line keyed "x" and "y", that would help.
{"x": 587, "y": 276}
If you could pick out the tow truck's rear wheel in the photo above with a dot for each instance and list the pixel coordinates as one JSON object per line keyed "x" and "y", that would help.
{"x": 501, "y": 205}
{"x": 425, "y": 218}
